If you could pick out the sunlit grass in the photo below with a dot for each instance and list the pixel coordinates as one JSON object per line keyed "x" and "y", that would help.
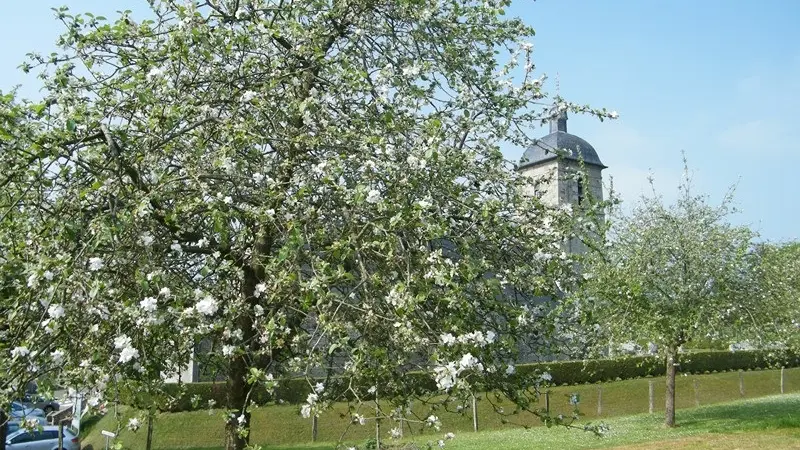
{"x": 282, "y": 426}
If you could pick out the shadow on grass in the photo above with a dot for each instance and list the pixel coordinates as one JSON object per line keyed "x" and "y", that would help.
{"x": 762, "y": 414}
{"x": 88, "y": 424}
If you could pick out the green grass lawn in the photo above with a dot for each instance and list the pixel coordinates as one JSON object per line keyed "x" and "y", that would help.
{"x": 768, "y": 422}
{"x": 282, "y": 426}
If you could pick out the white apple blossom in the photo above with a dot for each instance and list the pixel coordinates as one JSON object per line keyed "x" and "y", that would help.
{"x": 207, "y": 306}
{"x": 373, "y": 196}
{"x": 146, "y": 239}
{"x": 18, "y": 352}
{"x": 57, "y": 356}
{"x": 305, "y": 411}
{"x": 446, "y": 376}
{"x": 96, "y": 264}
{"x": 261, "y": 288}
{"x": 448, "y": 339}
{"x": 433, "y": 421}
{"x": 133, "y": 424}
{"x": 154, "y": 73}
{"x": 127, "y": 354}
{"x": 122, "y": 341}
{"x": 468, "y": 361}
{"x": 149, "y": 304}
{"x": 55, "y": 311}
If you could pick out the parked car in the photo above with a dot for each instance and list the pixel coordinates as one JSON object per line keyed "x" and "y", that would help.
{"x": 20, "y": 411}
{"x": 44, "y": 439}
{"x": 15, "y": 424}
{"x": 34, "y": 400}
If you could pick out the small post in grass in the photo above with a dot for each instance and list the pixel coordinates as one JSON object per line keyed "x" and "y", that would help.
{"x": 547, "y": 402}
{"x": 599, "y": 401}
{"x": 696, "y": 393}
{"x": 314, "y": 428}
{"x": 377, "y": 423}
{"x": 149, "y": 442}
{"x": 474, "y": 413}
{"x": 651, "y": 388}
{"x": 783, "y": 379}
{"x": 741, "y": 383}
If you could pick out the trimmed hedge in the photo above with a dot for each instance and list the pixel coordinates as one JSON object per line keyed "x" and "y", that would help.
{"x": 295, "y": 391}
{"x": 600, "y": 370}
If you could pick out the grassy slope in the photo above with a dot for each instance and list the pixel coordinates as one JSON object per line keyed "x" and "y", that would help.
{"x": 768, "y": 422}
{"x": 282, "y": 425}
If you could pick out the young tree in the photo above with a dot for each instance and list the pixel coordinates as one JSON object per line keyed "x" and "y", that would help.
{"x": 314, "y": 186}
{"x": 671, "y": 274}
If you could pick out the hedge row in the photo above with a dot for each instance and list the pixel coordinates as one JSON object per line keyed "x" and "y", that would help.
{"x": 600, "y": 370}
{"x": 295, "y": 391}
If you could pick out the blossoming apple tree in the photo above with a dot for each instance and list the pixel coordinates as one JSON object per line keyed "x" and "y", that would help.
{"x": 673, "y": 274}
{"x": 315, "y": 187}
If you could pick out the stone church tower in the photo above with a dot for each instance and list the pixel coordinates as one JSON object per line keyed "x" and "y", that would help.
{"x": 553, "y": 163}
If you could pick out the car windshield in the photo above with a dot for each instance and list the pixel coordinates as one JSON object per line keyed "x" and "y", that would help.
{"x": 12, "y": 436}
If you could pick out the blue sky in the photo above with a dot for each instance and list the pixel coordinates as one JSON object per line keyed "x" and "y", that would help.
{"x": 719, "y": 80}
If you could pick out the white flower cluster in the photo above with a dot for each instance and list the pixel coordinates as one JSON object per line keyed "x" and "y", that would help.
{"x": 358, "y": 418}
{"x": 261, "y": 288}
{"x": 149, "y": 304}
{"x": 133, "y": 424}
{"x": 446, "y": 376}
{"x": 207, "y": 306}
{"x": 146, "y": 239}
{"x": 20, "y": 352}
{"x": 478, "y": 338}
{"x": 311, "y": 400}
{"x": 95, "y": 264}
{"x": 55, "y": 311}
{"x": 127, "y": 352}
{"x": 373, "y": 196}
{"x": 433, "y": 421}
{"x": 397, "y": 298}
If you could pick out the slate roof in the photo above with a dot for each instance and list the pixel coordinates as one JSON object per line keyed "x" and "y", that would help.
{"x": 573, "y": 147}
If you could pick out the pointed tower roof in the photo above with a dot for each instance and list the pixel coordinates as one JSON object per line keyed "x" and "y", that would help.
{"x": 574, "y": 148}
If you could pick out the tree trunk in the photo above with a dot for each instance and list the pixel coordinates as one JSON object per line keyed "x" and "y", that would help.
{"x": 669, "y": 418}
{"x": 237, "y": 396}
{"x": 3, "y": 420}
{"x": 238, "y": 387}
{"x": 149, "y": 442}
